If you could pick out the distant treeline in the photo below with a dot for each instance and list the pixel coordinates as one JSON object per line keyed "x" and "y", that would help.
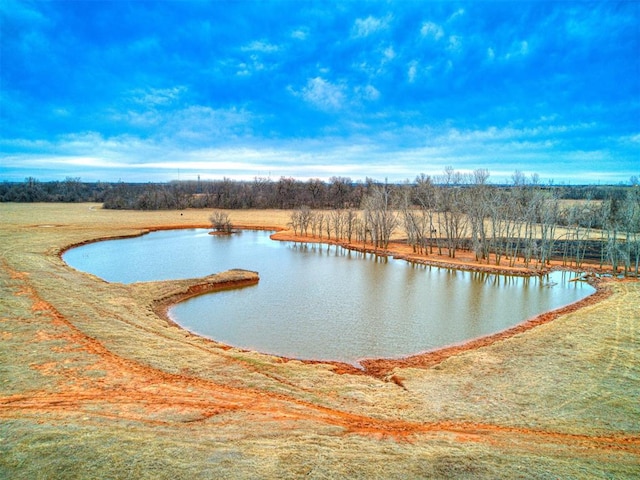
{"x": 523, "y": 220}
{"x": 68, "y": 190}
{"x": 261, "y": 193}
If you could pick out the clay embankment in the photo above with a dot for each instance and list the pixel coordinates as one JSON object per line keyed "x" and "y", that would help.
{"x": 184, "y": 289}
{"x": 464, "y": 260}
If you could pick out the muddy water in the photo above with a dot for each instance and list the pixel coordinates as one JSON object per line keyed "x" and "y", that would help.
{"x": 325, "y": 303}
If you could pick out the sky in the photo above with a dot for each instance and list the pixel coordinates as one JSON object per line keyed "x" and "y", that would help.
{"x": 154, "y": 91}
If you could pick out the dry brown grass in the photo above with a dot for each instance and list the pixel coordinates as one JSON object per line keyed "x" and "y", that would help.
{"x": 95, "y": 384}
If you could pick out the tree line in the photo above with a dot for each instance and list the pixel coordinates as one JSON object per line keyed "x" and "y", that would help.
{"x": 69, "y": 190}
{"x": 523, "y": 220}
{"x": 526, "y": 222}
{"x": 284, "y": 193}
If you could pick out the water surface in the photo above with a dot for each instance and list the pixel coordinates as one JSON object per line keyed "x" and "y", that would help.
{"x": 325, "y": 302}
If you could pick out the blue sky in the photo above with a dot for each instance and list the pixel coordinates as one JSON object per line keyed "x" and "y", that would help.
{"x": 157, "y": 91}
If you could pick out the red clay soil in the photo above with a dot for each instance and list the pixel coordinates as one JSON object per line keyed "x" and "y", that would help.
{"x": 134, "y": 391}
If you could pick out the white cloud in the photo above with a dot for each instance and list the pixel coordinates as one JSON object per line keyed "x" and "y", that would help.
{"x": 260, "y": 46}
{"x": 201, "y": 123}
{"x": 192, "y": 122}
{"x": 323, "y": 94}
{"x": 432, "y": 30}
{"x": 300, "y": 34}
{"x": 389, "y": 53}
{"x": 153, "y": 97}
{"x": 458, "y": 13}
{"x": 41, "y": 161}
{"x": 252, "y": 65}
{"x": 600, "y": 21}
{"x": 501, "y": 149}
{"x": 145, "y": 119}
{"x": 455, "y": 43}
{"x": 518, "y": 50}
{"x": 412, "y": 71}
{"x": 61, "y": 112}
{"x": 634, "y": 138}
{"x": 368, "y": 92}
{"x": 367, "y": 26}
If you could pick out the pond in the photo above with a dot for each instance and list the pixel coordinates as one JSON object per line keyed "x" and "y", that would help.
{"x": 320, "y": 302}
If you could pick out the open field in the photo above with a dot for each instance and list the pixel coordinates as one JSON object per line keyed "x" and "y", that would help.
{"x": 95, "y": 383}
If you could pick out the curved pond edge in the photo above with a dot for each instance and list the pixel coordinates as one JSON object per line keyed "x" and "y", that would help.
{"x": 185, "y": 289}
{"x": 139, "y": 232}
{"x": 381, "y": 368}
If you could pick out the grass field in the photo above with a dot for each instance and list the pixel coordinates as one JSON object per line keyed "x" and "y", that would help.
{"x": 94, "y": 383}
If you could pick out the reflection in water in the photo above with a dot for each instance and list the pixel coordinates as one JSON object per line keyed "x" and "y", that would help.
{"x": 324, "y": 302}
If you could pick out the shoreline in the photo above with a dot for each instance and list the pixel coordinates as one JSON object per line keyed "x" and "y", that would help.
{"x": 381, "y": 368}
{"x": 463, "y": 261}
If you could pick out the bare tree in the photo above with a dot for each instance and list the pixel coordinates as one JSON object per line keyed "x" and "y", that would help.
{"x": 294, "y": 221}
{"x": 339, "y": 190}
{"x": 221, "y": 222}
{"x": 328, "y": 226}
{"x": 318, "y": 223}
{"x": 285, "y": 192}
{"x": 631, "y": 220}
{"x": 612, "y": 221}
{"x": 478, "y": 202}
{"x": 416, "y": 223}
{"x": 452, "y": 209}
{"x": 497, "y": 216}
{"x": 301, "y": 219}
{"x": 513, "y": 231}
{"x": 381, "y": 218}
{"x": 425, "y": 197}
{"x": 548, "y": 224}
{"x": 317, "y": 190}
{"x": 351, "y": 220}
{"x": 337, "y": 222}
